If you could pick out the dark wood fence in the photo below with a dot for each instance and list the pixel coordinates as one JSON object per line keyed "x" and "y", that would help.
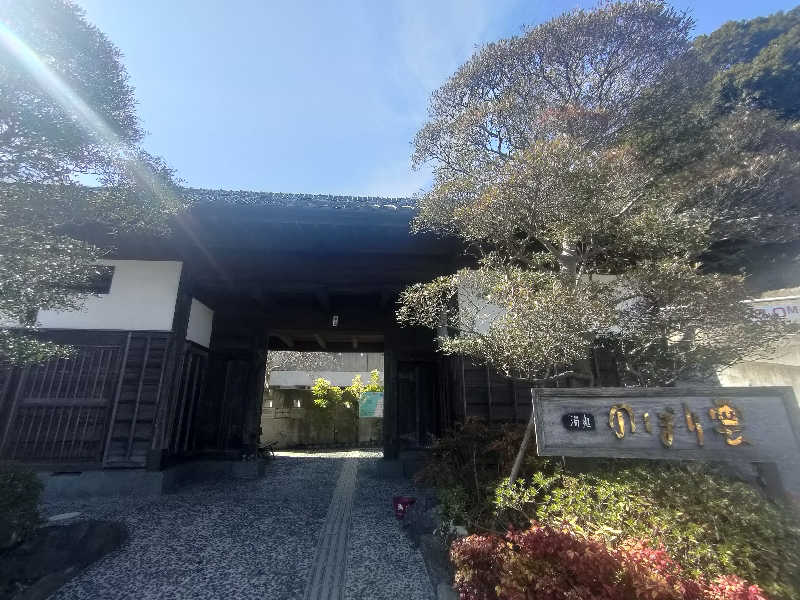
{"x": 141, "y": 386}
{"x": 97, "y": 406}
{"x": 488, "y": 395}
{"x": 61, "y": 408}
{"x": 190, "y": 385}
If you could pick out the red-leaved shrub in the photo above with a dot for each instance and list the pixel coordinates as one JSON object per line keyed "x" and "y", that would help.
{"x": 542, "y": 563}
{"x": 650, "y": 574}
{"x": 548, "y": 564}
{"x": 731, "y": 587}
{"x": 478, "y": 561}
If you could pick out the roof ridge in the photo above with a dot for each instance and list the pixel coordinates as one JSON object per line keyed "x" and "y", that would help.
{"x": 293, "y": 199}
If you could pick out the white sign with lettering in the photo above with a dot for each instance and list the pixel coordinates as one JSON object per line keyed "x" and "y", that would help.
{"x": 788, "y": 309}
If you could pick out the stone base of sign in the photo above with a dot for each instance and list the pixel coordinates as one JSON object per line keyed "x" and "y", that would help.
{"x": 780, "y": 481}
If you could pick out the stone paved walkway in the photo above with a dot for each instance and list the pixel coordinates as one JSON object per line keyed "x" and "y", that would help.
{"x": 318, "y": 526}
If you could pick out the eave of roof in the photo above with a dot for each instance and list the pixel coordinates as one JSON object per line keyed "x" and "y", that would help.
{"x": 209, "y": 197}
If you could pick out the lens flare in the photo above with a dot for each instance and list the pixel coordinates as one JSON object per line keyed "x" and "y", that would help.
{"x": 96, "y": 127}
{"x": 59, "y": 91}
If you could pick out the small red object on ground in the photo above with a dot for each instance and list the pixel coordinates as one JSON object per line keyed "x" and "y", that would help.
{"x": 401, "y": 504}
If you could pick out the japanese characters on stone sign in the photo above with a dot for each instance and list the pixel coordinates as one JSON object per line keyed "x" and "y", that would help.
{"x": 720, "y": 424}
{"x": 726, "y": 417}
{"x": 578, "y": 421}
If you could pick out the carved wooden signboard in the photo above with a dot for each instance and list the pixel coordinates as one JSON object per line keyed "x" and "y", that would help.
{"x": 721, "y": 424}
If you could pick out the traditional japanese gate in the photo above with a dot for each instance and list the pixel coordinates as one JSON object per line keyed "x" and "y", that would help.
{"x": 279, "y": 272}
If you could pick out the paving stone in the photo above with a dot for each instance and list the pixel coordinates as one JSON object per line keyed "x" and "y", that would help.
{"x": 326, "y": 580}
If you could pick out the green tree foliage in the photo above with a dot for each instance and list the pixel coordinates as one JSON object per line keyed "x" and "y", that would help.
{"x": 326, "y": 395}
{"x": 678, "y": 323}
{"x": 721, "y": 123}
{"x": 755, "y": 63}
{"x": 357, "y": 388}
{"x": 337, "y": 407}
{"x": 583, "y": 238}
{"x": 43, "y": 142}
{"x": 67, "y": 111}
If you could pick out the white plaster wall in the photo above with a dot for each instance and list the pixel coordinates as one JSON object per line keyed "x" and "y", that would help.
{"x": 201, "y": 319}
{"x": 750, "y": 374}
{"x": 142, "y": 298}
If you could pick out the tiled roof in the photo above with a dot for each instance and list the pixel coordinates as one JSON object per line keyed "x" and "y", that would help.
{"x": 198, "y": 196}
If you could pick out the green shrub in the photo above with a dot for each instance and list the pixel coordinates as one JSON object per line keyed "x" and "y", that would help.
{"x": 711, "y": 524}
{"x": 20, "y": 490}
{"x": 465, "y": 467}
{"x": 454, "y": 505}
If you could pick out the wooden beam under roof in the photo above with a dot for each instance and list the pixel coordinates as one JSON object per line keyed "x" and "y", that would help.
{"x": 323, "y": 298}
{"x": 286, "y": 339}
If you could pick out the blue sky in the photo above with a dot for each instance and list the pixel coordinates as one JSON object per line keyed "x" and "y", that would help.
{"x": 311, "y": 96}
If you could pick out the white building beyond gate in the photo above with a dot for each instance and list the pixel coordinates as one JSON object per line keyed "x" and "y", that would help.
{"x": 783, "y": 368}
{"x": 284, "y": 417}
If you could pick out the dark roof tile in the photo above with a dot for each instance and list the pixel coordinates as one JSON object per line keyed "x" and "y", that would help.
{"x": 199, "y": 196}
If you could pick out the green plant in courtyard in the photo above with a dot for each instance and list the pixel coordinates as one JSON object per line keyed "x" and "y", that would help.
{"x": 333, "y": 408}
{"x": 20, "y": 490}
{"x": 357, "y": 388}
{"x": 326, "y": 395}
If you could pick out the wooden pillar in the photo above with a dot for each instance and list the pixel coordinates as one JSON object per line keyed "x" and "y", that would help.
{"x": 254, "y": 402}
{"x": 170, "y": 377}
{"x": 390, "y": 413}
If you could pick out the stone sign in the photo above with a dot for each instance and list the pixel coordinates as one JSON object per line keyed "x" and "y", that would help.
{"x": 755, "y": 424}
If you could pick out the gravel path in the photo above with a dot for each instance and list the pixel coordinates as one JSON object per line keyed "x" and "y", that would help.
{"x": 382, "y": 564}
{"x": 255, "y": 539}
